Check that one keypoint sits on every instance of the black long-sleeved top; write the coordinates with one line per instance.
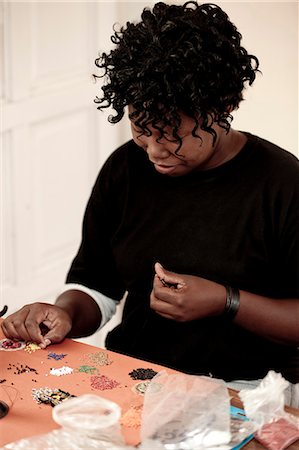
(236, 224)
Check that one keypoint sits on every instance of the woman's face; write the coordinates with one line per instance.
(194, 154)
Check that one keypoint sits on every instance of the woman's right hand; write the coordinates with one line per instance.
(41, 323)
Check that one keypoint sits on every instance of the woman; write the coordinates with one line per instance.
(196, 221)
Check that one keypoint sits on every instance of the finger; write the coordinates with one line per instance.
(159, 282)
(14, 326)
(10, 331)
(159, 270)
(164, 309)
(164, 304)
(17, 331)
(56, 321)
(45, 343)
(56, 334)
(159, 293)
(32, 324)
(58, 324)
(169, 278)
(169, 295)
(166, 316)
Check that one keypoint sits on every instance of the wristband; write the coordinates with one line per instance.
(232, 302)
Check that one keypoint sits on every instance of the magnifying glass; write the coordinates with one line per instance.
(4, 408)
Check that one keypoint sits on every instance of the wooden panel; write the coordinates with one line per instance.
(6, 213)
(61, 35)
(62, 156)
(17, 49)
(1, 50)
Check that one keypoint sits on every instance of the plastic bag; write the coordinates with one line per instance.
(185, 412)
(87, 421)
(240, 427)
(276, 429)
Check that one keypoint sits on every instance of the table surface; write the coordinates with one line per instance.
(27, 418)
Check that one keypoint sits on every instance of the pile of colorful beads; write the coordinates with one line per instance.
(142, 374)
(99, 358)
(50, 396)
(65, 370)
(56, 356)
(31, 347)
(102, 382)
(132, 417)
(11, 344)
(87, 369)
(19, 368)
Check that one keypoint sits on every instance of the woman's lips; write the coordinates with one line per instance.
(164, 169)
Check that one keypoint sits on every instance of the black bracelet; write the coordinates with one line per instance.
(232, 302)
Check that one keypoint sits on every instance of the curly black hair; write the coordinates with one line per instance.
(178, 58)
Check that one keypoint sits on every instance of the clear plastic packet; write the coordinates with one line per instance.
(275, 428)
(241, 428)
(87, 422)
(185, 412)
(278, 435)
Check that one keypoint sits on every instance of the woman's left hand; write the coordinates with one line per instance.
(185, 297)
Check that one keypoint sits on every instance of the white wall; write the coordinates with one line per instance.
(53, 140)
(270, 31)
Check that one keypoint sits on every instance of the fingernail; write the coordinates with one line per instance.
(47, 342)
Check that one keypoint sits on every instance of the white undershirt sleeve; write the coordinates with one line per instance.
(106, 304)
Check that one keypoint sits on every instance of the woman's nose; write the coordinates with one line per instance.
(156, 150)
